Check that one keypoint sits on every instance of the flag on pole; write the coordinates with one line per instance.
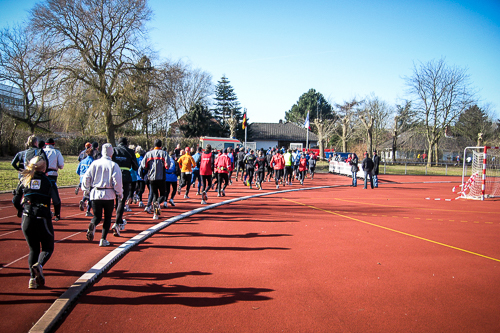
(306, 124)
(244, 125)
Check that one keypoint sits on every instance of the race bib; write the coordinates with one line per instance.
(35, 184)
(187, 172)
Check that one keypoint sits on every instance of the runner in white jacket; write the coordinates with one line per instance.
(104, 177)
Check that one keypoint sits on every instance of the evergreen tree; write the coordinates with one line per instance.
(473, 121)
(227, 105)
(199, 122)
(315, 103)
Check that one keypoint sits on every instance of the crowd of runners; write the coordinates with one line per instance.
(115, 178)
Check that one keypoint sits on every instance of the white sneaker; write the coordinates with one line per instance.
(171, 202)
(116, 230)
(103, 243)
(89, 214)
(203, 202)
(148, 210)
(277, 186)
(40, 279)
(223, 193)
(155, 217)
(127, 208)
(141, 204)
(186, 197)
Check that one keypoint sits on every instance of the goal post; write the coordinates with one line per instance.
(482, 167)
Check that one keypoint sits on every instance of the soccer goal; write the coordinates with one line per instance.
(482, 167)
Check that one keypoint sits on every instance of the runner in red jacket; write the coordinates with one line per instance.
(278, 164)
(206, 170)
(222, 165)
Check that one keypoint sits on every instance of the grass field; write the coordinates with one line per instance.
(68, 176)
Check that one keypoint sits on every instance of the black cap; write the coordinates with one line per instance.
(95, 145)
(157, 143)
(123, 141)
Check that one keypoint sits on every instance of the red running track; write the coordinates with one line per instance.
(339, 259)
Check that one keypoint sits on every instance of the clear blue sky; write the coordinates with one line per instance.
(274, 51)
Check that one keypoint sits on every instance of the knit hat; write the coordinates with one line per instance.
(123, 141)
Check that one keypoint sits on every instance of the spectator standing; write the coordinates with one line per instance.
(353, 162)
(376, 164)
(367, 165)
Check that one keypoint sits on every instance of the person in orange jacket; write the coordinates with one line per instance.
(186, 164)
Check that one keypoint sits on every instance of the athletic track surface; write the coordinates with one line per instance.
(325, 258)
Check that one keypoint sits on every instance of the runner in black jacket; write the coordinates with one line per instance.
(126, 160)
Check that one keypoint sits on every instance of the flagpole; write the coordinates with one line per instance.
(307, 139)
(246, 129)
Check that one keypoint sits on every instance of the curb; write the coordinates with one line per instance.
(61, 306)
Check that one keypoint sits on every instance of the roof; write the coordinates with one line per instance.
(280, 131)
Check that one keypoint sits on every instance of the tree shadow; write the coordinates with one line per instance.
(158, 294)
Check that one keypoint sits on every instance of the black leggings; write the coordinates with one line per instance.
(157, 186)
(121, 203)
(260, 176)
(140, 188)
(250, 172)
(169, 185)
(207, 183)
(98, 206)
(222, 177)
(38, 230)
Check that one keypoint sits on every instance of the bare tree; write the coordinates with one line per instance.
(346, 116)
(373, 116)
(99, 44)
(403, 120)
(23, 66)
(441, 94)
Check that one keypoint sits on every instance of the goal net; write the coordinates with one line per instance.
(481, 168)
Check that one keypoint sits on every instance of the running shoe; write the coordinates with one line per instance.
(57, 218)
(40, 279)
(156, 209)
(81, 204)
(223, 193)
(204, 196)
(171, 202)
(33, 284)
(76, 190)
(91, 232)
(155, 217)
(136, 198)
(122, 226)
(277, 186)
(103, 243)
(141, 204)
(89, 214)
(218, 194)
(165, 205)
(179, 191)
(185, 196)
(116, 230)
(203, 202)
(148, 210)
(127, 208)
(198, 193)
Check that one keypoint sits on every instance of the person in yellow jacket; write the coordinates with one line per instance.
(186, 164)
